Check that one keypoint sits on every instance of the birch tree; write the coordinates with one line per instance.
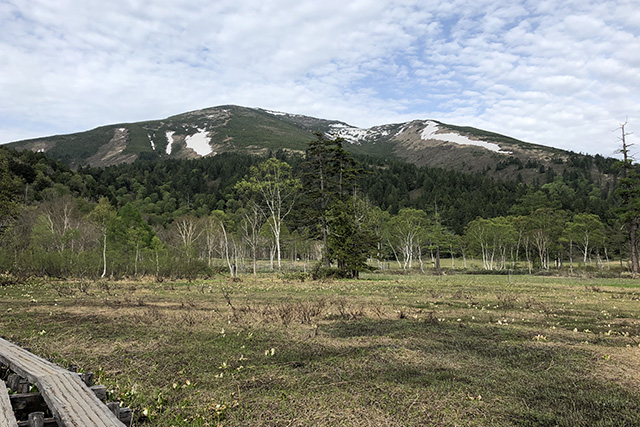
(493, 237)
(62, 220)
(277, 190)
(545, 228)
(379, 219)
(479, 235)
(405, 231)
(188, 231)
(103, 214)
(250, 225)
(219, 223)
(587, 231)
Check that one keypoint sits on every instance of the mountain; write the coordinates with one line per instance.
(231, 128)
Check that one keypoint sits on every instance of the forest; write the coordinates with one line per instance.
(326, 212)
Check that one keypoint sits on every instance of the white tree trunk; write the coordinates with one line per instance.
(104, 255)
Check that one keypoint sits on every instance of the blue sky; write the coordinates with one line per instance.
(558, 73)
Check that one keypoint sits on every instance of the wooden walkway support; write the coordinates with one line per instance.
(6, 410)
(71, 402)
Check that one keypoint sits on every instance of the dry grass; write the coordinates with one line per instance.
(413, 350)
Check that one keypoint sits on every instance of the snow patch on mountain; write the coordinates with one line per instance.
(430, 132)
(199, 142)
(356, 135)
(276, 113)
(170, 140)
(349, 133)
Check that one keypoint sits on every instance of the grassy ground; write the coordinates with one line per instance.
(384, 350)
(611, 268)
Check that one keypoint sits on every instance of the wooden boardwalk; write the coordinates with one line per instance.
(71, 402)
(6, 412)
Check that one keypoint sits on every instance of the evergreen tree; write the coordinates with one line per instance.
(329, 173)
(10, 186)
(439, 236)
(352, 239)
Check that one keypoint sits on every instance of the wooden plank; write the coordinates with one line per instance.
(30, 402)
(7, 418)
(72, 403)
(48, 422)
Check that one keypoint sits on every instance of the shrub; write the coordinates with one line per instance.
(299, 276)
(7, 280)
(320, 271)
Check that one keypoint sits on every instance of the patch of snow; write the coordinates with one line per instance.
(400, 131)
(41, 150)
(276, 113)
(430, 132)
(199, 142)
(170, 139)
(122, 129)
(351, 133)
(153, 146)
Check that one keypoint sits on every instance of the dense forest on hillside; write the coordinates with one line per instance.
(183, 218)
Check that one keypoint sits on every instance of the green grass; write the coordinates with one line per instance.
(73, 149)
(252, 128)
(138, 140)
(384, 350)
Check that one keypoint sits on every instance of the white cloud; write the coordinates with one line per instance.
(557, 73)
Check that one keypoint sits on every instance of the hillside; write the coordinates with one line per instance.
(222, 129)
(165, 189)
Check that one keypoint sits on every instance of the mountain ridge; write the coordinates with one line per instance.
(226, 128)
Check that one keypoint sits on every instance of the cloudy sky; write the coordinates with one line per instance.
(559, 73)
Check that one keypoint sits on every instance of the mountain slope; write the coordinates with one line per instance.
(239, 129)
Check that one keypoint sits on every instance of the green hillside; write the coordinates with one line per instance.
(255, 131)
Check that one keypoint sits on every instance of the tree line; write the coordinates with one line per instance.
(325, 211)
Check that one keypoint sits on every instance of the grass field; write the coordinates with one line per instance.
(383, 350)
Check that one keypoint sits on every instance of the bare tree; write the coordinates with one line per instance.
(629, 192)
(188, 231)
(252, 221)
